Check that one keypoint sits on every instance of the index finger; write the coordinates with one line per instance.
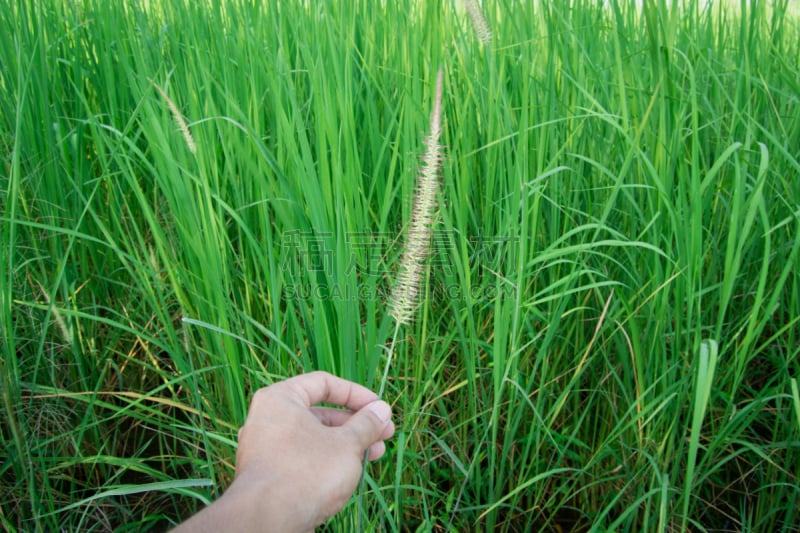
(321, 387)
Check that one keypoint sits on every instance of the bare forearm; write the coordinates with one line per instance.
(246, 511)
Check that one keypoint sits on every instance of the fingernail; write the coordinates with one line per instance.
(381, 410)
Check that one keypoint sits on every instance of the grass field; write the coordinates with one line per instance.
(609, 333)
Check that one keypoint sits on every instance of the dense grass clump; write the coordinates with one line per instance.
(608, 337)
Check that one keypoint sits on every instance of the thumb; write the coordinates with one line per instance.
(368, 425)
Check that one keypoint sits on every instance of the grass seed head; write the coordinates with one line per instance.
(478, 21)
(412, 264)
(187, 135)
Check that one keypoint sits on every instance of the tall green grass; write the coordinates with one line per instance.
(609, 334)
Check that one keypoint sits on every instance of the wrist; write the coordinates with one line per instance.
(249, 506)
(266, 506)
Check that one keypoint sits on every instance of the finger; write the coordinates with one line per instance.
(368, 425)
(321, 387)
(378, 448)
(388, 431)
(376, 451)
(332, 417)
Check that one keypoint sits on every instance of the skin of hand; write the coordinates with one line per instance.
(298, 463)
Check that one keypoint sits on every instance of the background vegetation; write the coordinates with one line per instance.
(609, 336)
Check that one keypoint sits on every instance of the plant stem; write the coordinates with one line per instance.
(381, 389)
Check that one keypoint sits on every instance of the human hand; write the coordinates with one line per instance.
(298, 463)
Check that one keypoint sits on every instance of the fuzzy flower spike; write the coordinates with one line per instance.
(478, 20)
(176, 114)
(405, 294)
